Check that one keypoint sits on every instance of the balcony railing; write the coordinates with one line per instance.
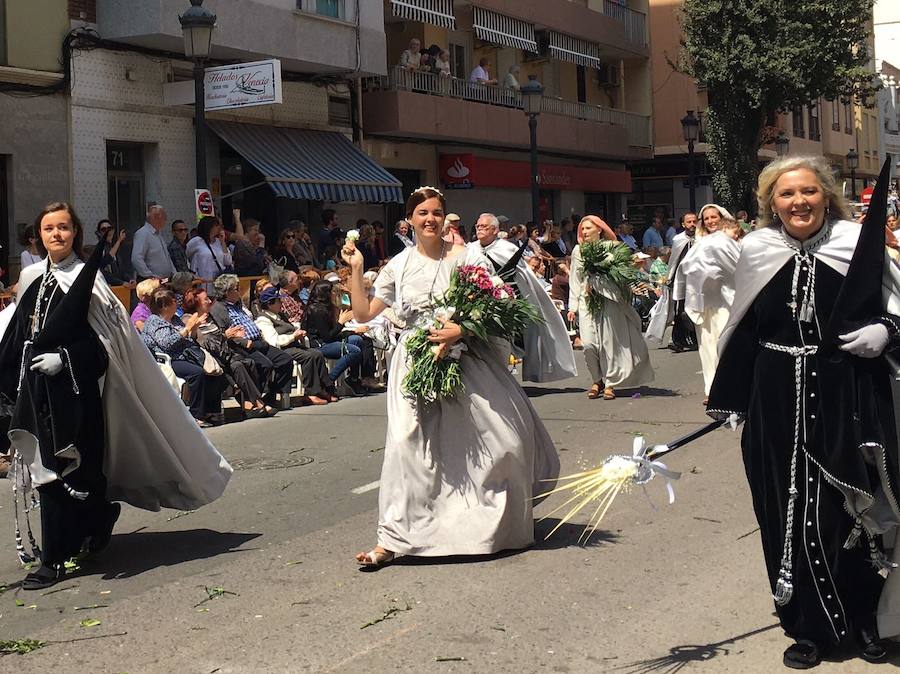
(401, 79)
(635, 21)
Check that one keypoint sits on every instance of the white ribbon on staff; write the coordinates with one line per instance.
(648, 469)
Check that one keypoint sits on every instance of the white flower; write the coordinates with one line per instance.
(476, 314)
(444, 314)
(504, 295)
(353, 235)
(496, 281)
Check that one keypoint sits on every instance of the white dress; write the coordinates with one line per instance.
(207, 260)
(458, 475)
(614, 347)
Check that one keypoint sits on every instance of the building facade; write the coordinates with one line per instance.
(472, 138)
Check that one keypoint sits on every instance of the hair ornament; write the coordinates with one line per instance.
(428, 187)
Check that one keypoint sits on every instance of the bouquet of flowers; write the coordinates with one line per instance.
(485, 306)
(612, 261)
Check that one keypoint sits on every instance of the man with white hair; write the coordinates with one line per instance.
(548, 351)
(149, 253)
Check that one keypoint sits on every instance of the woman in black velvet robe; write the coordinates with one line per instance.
(51, 362)
(819, 440)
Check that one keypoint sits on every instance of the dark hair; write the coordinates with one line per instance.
(421, 195)
(29, 231)
(175, 222)
(191, 300)
(159, 299)
(55, 207)
(104, 220)
(327, 216)
(361, 222)
(205, 226)
(322, 293)
(281, 238)
(377, 223)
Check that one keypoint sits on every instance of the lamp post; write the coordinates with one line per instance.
(782, 143)
(197, 26)
(532, 95)
(852, 164)
(690, 127)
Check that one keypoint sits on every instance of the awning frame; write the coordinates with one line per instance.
(504, 30)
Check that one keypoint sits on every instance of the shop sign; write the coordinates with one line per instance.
(457, 170)
(466, 170)
(243, 85)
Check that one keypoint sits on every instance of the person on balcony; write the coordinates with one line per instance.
(442, 64)
(480, 73)
(411, 58)
(511, 81)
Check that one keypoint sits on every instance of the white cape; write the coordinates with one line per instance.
(548, 351)
(155, 456)
(705, 277)
(663, 312)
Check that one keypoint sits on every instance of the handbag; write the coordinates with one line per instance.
(197, 355)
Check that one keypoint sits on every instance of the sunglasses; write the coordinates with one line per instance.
(180, 231)
(289, 236)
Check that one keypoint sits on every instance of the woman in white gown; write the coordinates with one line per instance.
(459, 474)
(705, 282)
(614, 347)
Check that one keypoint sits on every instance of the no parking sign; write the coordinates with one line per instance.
(204, 202)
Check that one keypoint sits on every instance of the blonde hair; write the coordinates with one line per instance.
(727, 219)
(836, 204)
(145, 288)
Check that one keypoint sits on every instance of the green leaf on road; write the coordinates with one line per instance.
(87, 608)
(293, 563)
(387, 615)
(215, 593)
(89, 622)
(455, 658)
(19, 602)
(20, 646)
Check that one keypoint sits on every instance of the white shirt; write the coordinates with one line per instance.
(28, 258)
(207, 261)
(479, 74)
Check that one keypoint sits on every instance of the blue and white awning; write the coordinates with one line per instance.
(317, 165)
(575, 50)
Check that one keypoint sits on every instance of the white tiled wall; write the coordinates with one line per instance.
(107, 106)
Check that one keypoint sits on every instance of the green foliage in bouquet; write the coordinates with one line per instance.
(485, 307)
(612, 261)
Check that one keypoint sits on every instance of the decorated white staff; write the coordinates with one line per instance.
(620, 472)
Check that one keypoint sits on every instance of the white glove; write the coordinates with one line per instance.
(50, 364)
(869, 341)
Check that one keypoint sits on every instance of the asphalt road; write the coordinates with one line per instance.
(659, 589)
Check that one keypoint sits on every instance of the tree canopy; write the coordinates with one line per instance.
(758, 57)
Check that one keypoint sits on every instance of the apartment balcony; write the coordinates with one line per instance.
(257, 29)
(409, 104)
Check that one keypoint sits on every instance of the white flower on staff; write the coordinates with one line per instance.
(496, 281)
(444, 314)
(353, 235)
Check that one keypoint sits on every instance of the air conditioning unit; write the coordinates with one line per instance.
(608, 75)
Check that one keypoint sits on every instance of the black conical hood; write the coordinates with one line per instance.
(69, 318)
(860, 295)
(508, 271)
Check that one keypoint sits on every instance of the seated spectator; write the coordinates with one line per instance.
(283, 253)
(261, 285)
(625, 232)
(228, 311)
(179, 284)
(402, 238)
(366, 245)
(324, 325)
(659, 270)
(559, 284)
(333, 258)
(143, 290)
(238, 368)
(279, 332)
(161, 336)
(452, 232)
(538, 266)
(480, 75)
(553, 244)
(303, 249)
(411, 58)
(29, 239)
(307, 280)
(511, 81)
(653, 235)
(249, 254)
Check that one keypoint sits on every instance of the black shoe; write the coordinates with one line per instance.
(802, 655)
(40, 579)
(869, 644)
(675, 348)
(356, 386)
(100, 540)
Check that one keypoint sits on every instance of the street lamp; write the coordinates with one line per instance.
(852, 164)
(197, 26)
(690, 127)
(782, 143)
(532, 97)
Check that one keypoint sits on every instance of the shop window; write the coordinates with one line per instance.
(336, 9)
(125, 180)
(848, 118)
(815, 132)
(835, 116)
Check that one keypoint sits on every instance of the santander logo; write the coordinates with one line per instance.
(458, 171)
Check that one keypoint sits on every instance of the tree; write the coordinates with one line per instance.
(760, 57)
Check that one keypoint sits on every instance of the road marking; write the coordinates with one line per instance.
(366, 487)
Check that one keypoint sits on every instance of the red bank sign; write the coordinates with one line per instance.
(467, 171)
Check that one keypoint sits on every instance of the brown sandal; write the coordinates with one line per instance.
(594, 392)
(609, 394)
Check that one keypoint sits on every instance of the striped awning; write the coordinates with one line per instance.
(567, 48)
(318, 165)
(504, 30)
(435, 12)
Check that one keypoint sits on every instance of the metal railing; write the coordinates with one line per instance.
(401, 79)
(635, 22)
